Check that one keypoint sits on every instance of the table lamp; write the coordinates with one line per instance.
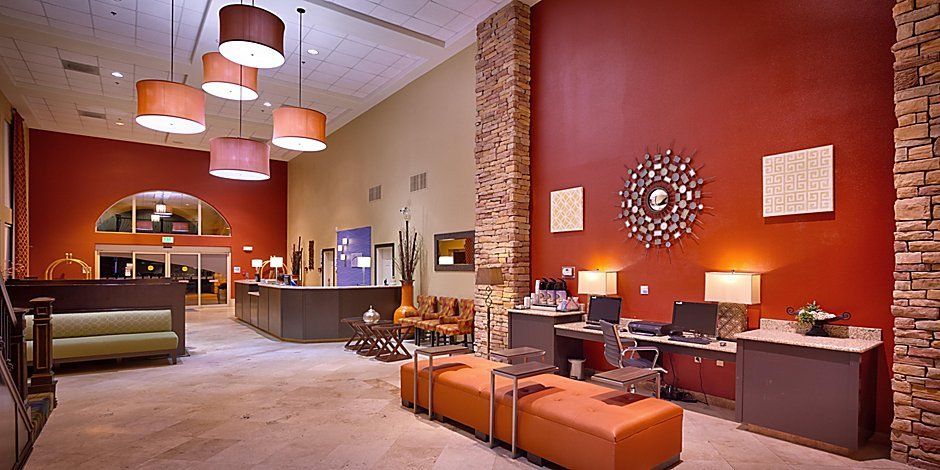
(734, 292)
(364, 262)
(489, 277)
(600, 283)
(257, 263)
(276, 262)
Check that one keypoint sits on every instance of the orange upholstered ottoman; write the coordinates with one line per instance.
(571, 423)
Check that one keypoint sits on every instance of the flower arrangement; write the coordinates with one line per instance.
(811, 313)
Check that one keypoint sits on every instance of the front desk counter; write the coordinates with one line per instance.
(310, 313)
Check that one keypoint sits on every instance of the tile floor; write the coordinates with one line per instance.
(245, 401)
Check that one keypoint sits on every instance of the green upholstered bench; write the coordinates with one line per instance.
(107, 335)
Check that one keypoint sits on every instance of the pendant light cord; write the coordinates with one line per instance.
(300, 59)
(172, 33)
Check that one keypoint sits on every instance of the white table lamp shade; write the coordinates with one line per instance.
(597, 282)
(732, 288)
(442, 260)
(277, 262)
(257, 263)
(363, 262)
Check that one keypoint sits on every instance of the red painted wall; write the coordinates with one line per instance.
(733, 81)
(73, 179)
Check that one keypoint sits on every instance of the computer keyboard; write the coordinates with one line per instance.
(688, 339)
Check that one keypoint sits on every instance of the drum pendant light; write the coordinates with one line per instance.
(238, 158)
(228, 80)
(167, 106)
(296, 127)
(251, 36)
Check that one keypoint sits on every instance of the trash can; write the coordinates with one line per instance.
(577, 369)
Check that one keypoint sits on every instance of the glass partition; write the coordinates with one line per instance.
(115, 265)
(118, 217)
(150, 265)
(214, 279)
(163, 212)
(184, 268)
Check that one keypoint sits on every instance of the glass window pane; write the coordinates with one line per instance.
(115, 266)
(215, 279)
(150, 265)
(167, 212)
(213, 223)
(117, 218)
(185, 269)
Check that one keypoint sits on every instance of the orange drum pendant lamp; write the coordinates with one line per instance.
(251, 36)
(238, 158)
(227, 80)
(296, 127)
(167, 106)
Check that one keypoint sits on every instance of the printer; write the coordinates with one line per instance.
(652, 328)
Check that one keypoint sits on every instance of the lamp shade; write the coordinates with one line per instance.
(276, 262)
(228, 80)
(171, 107)
(597, 282)
(162, 210)
(445, 260)
(299, 129)
(489, 276)
(155, 217)
(363, 262)
(251, 36)
(257, 263)
(239, 159)
(732, 288)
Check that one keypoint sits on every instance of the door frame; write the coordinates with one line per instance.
(323, 261)
(375, 257)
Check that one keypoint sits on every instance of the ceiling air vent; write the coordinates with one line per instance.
(80, 67)
(91, 114)
(419, 182)
(375, 193)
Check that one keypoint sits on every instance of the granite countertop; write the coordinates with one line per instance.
(543, 312)
(852, 345)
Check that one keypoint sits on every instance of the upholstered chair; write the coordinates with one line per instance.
(427, 310)
(447, 306)
(458, 325)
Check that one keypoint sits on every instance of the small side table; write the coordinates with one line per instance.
(431, 353)
(525, 352)
(391, 337)
(371, 339)
(627, 376)
(516, 372)
(356, 339)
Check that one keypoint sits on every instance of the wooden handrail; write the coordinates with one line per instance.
(43, 379)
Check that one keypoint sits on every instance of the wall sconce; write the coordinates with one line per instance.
(248, 248)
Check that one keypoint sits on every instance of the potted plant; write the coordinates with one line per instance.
(814, 317)
(407, 264)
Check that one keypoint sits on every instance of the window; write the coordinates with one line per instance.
(163, 212)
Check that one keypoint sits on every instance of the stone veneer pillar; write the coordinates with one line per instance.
(915, 431)
(502, 164)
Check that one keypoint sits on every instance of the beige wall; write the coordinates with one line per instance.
(428, 126)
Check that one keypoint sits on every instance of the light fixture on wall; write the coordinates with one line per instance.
(227, 80)
(295, 127)
(161, 210)
(239, 158)
(167, 106)
(251, 36)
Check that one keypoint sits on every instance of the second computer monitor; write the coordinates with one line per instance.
(696, 317)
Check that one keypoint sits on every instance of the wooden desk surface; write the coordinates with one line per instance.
(712, 350)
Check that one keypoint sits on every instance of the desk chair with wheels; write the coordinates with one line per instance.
(621, 356)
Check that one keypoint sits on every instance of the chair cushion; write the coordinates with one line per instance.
(105, 345)
(447, 306)
(428, 324)
(465, 308)
(427, 305)
(410, 320)
(73, 325)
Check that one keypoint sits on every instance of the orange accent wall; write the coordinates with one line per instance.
(732, 81)
(73, 179)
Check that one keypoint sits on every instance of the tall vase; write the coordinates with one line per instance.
(407, 307)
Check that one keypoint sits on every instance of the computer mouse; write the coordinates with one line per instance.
(722, 343)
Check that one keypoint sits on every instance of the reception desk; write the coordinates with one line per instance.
(310, 313)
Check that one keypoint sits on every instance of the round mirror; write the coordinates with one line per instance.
(658, 199)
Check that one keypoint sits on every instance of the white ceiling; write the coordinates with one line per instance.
(368, 49)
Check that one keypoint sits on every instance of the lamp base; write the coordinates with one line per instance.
(732, 319)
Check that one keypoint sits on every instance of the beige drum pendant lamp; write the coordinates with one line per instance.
(251, 36)
(239, 159)
(228, 80)
(296, 127)
(167, 106)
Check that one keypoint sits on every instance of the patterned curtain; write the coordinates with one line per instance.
(20, 199)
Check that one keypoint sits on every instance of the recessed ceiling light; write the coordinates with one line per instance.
(117, 74)
(312, 51)
(267, 103)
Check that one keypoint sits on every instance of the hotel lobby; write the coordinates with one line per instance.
(585, 234)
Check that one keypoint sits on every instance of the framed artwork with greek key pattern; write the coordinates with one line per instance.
(798, 182)
(567, 210)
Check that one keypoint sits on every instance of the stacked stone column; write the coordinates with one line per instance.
(502, 164)
(915, 431)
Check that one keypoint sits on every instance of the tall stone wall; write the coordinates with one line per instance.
(915, 431)
(503, 74)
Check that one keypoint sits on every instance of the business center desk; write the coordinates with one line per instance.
(310, 313)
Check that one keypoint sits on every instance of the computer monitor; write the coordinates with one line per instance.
(604, 308)
(696, 316)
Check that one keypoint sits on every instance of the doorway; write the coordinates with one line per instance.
(384, 264)
(204, 270)
(328, 267)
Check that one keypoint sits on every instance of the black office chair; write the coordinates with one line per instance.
(620, 356)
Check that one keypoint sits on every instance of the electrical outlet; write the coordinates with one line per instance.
(720, 363)
(698, 360)
(644, 290)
